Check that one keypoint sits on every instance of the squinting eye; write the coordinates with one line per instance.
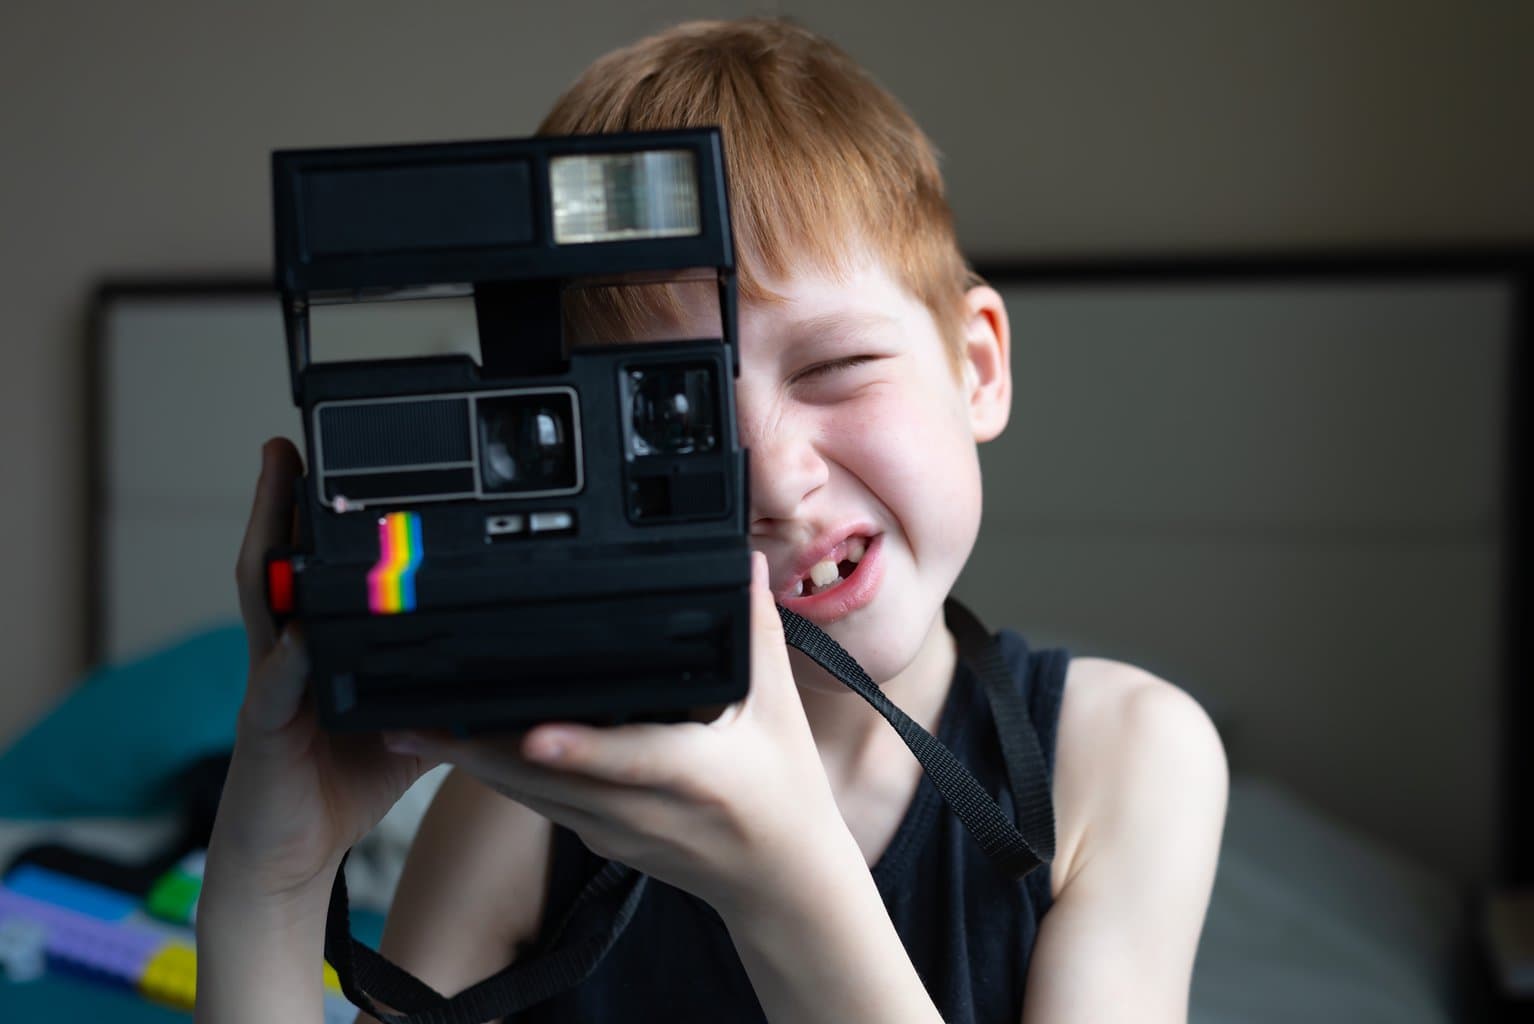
(822, 369)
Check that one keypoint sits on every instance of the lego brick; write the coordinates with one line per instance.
(23, 949)
(170, 977)
(109, 952)
(71, 893)
(173, 897)
(338, 1010)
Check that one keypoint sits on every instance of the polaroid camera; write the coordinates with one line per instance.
(558, 531)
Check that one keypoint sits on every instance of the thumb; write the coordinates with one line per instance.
(771, 673)
(276, 685)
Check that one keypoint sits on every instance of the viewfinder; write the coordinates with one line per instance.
(671, 410)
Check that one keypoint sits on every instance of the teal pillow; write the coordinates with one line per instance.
(114, 746)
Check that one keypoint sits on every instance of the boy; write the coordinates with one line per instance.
(808, 874)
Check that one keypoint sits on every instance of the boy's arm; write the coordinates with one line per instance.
(1140, 789)
(829, 952)
(472, 889)
(258, 958)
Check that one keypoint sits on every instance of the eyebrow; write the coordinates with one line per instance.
(858, 323)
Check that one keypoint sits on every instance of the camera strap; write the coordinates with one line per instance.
(607, 903)
(1014, 849)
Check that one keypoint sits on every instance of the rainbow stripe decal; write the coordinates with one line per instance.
(391, 583)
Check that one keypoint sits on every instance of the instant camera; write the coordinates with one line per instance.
(554, 531)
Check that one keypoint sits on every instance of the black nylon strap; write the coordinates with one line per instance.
(605, 906)
(589, 929)
(1012, 851)
(1034, 808)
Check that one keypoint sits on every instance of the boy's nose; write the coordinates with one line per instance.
(785, 470)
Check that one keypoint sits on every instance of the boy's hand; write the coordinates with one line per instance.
(734, 811)
(296, 797)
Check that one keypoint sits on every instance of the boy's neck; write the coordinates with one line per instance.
(848, 731)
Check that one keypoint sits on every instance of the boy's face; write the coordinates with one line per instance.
(862, 435)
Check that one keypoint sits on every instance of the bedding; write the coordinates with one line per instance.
(113, 746)
(81, 776)
(1309, 920)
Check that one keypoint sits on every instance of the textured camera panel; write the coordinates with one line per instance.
(374, 435)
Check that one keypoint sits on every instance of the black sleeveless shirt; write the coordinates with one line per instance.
(968, 929)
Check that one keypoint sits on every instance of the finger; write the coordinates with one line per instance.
(592, 829)
(499, 762)
(431, 749)
(275, 689)
(644, 756)
(269, 526)
(375, 760)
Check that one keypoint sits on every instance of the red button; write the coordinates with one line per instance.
(279, 585)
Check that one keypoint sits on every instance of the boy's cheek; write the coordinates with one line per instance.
(909, 447)
(919, 439)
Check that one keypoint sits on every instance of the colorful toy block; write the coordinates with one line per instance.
(81, 929)
(171, 976)
(114, 953)
(173, 897)
(70, 893)
(23, 949)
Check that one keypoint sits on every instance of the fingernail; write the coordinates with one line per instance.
(402, 742)
(292, 652)
(546, 746)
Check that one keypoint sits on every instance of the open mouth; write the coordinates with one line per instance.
(833, 570)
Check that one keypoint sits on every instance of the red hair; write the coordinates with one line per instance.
(824, 164)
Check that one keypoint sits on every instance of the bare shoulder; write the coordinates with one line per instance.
(1135, 757)
(1139, 789)
(473, 886)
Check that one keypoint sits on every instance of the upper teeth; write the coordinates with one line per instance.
(824, 572)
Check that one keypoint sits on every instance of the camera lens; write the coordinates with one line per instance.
(672, 410)
(527, 443)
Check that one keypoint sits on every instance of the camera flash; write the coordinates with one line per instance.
(609, 197)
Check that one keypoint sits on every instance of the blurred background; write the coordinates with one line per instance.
(1263, 261)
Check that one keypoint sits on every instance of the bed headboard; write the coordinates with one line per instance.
(189, 379)
(1290, 485)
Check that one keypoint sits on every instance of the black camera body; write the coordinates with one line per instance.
(559, 530)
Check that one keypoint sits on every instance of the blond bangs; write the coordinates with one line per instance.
(823, 162)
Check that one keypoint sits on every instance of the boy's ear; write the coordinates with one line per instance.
(986, 362)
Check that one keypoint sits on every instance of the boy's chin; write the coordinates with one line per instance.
(882, 658)
(811, 678)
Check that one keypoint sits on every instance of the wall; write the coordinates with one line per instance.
(1286, 497)
(136, 139)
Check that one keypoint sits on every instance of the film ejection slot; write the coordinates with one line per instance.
(499, 528)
